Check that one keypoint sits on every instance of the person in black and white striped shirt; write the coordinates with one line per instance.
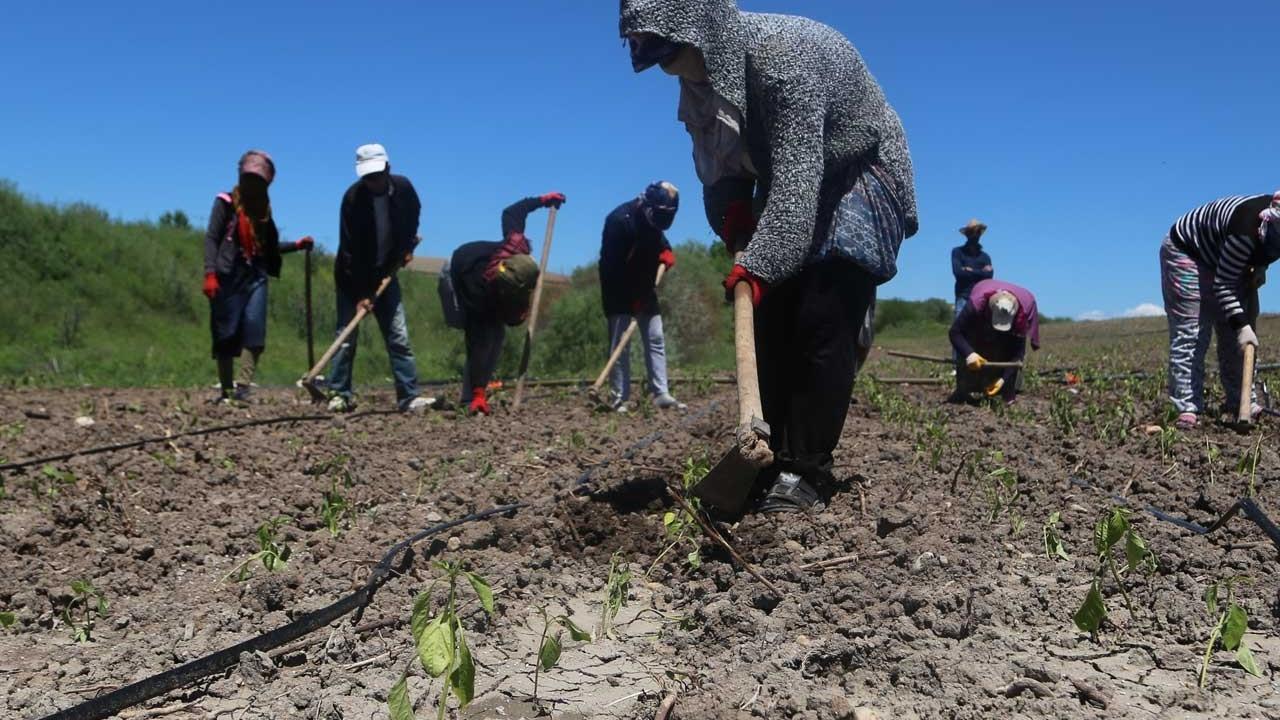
(1222, 249)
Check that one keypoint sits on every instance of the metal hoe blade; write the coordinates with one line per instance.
(729, 484)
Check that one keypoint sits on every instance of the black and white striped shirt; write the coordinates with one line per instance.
(1223, 236)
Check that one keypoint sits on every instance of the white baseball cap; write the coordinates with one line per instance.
(1004, 306)
(371, 158)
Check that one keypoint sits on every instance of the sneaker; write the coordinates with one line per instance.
(243, 392)
(665, 401)
(620, 406)
(419, 404)
(341, 404)
(1187, 420)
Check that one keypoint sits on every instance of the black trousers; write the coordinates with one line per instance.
(807, 350)
(484, 337)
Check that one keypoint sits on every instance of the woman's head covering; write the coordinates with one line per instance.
(258, 162)
(659, 204)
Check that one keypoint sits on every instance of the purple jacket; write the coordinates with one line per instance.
(1026, 323)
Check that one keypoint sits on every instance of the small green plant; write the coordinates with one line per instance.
(273, 552)
(1001, 487)
(550, 646)
(1111, 530)
(335, 511)
(441, 644)
(1053, 545)
(7, 619)
(1063, 411)
(1213, 454)
(167, 459)
(577, 440)
(53, 480)
(1228, 631)
(616, 590)
(679, 527)
(13, 430)
(88, 605)
(429, 480)
(932, 441)
(1248, 464)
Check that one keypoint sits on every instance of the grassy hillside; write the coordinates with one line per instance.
(89, 300)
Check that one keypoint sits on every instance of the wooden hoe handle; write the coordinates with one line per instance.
(342, 336)
(1246, 386)
(744, 342)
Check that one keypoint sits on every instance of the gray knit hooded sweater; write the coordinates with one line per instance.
(815, 118)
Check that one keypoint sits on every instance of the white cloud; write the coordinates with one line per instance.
(1145, 310)
(1092, 315)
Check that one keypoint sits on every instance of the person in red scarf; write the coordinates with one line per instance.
(241, 249)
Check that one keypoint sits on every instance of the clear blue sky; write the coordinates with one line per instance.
(1078, 131)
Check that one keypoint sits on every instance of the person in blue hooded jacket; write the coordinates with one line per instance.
(633, 246)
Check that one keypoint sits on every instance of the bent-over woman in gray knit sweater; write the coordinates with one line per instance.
(804, 162)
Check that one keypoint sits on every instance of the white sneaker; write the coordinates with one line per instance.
(340, 404)
(666, 401)
(419, 404)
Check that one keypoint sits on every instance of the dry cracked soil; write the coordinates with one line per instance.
(922, 591)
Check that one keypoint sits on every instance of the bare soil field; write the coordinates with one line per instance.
(924, 590)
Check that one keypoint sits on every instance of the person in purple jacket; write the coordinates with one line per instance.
(996, 324)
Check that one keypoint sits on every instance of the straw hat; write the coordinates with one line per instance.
(974, 228)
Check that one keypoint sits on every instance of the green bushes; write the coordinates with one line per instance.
(93, 301)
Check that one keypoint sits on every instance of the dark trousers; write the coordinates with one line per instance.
(807, 348)
(484, 338)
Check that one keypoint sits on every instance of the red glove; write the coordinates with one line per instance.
(210, 285)
(305, 243)
(552, 199)
(739, 225)
(637, 307)
(668, 258)
(479, 405)
(740, 274)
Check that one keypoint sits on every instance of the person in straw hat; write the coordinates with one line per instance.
(970, 263)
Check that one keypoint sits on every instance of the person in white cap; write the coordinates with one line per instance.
(997, 322)
(378, 233)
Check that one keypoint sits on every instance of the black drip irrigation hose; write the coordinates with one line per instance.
(20, 464)
(1245, 505)
(105, 706)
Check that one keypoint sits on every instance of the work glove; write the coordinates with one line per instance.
(975, 362)
(739, 225)
(1246, 336)
(740, 274)
(305, 243)
(994, 388)
(210, 285)
(668, 258)
(637, 307)
(552, 199)
(479, 404)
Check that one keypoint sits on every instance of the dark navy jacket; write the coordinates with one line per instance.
(966, 279)
(357, 268)
(629, 261)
